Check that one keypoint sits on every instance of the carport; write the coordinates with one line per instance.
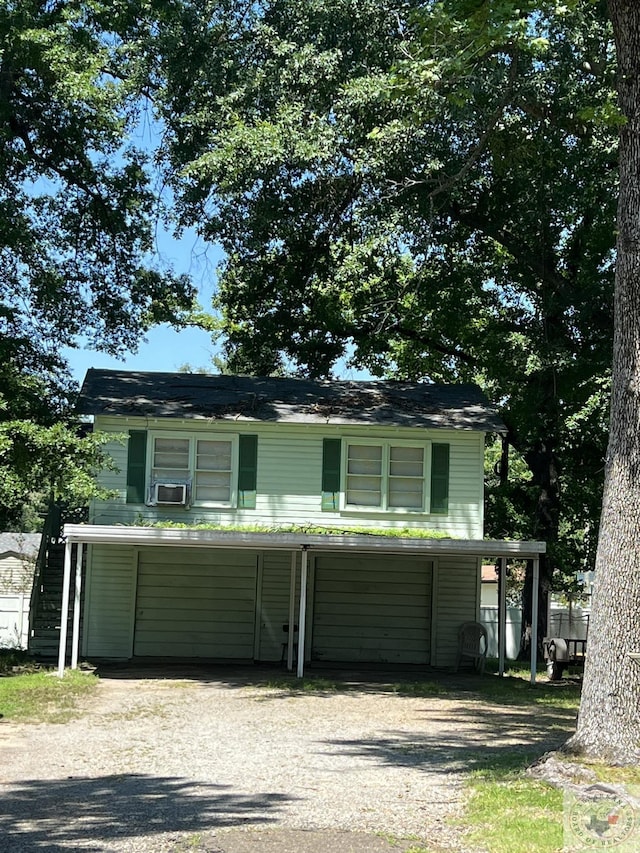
(300, 545)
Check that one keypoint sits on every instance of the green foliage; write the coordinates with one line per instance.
(427, 191)
(42, 463)
(78, 213)
(307, 529)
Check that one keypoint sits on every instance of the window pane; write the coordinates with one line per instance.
(364, 459)
(405, 492)
(363, 490)
(213, 456)
(356, 497)
(406, 461)
(172, 453)
(213, 487)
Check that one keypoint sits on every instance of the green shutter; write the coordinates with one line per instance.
(439, 479)
(136, 466)
(331, 458)
(247, 471)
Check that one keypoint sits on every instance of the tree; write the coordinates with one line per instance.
(426, 189)
(77, 219)
(609, 717)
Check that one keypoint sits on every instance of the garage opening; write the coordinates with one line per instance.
(372, 609)
(196, 603)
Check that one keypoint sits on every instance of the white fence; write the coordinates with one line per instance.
(489, 618)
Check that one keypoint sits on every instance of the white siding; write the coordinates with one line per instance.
(372, 609)
(289, 478)
(196, 603)
(108, 621)
(455, 602)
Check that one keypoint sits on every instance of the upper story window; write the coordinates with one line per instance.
(206, 464)
(385, 476)
(216, 470)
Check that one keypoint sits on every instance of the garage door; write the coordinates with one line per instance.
(372, 609)
(195, 603)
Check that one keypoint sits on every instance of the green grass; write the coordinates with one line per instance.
(42, 697)
(514, 688)
(506, 811)
(303, 686)
(513, 814)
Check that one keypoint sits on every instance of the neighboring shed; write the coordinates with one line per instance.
(18, 552)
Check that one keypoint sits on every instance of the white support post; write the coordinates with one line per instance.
(304, 569)
(534, 618)
(292, 610)
(64, 610)
(75, 642)
(502, 616)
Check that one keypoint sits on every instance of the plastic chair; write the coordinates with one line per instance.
(472, 644)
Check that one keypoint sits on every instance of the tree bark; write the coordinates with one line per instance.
(609, 717)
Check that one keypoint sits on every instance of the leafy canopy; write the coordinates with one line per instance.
(78, 213)
(424, 189)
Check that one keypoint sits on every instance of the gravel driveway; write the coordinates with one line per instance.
(222, 761)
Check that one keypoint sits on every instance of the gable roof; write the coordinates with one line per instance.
(244, 398)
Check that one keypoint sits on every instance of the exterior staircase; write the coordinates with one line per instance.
(45, 609)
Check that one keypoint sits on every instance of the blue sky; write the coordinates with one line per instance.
(166, 349)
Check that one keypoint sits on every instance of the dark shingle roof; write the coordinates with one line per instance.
(189, 395)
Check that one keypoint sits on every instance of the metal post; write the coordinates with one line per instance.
(534, 618)
(303, 610)
(64, 614)
(502, 615)
(292, 610)
(75, 642)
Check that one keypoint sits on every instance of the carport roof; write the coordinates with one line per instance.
(171, 536)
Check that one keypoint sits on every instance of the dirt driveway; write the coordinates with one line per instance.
(234, 761)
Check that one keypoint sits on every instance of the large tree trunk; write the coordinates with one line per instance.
(608, 722)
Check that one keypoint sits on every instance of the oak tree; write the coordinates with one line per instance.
(425, 190)
(78, 212)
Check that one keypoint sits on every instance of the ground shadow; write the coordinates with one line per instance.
(466, 738)
(65, 814)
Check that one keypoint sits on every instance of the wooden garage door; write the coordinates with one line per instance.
(195, 603)
(372, 609)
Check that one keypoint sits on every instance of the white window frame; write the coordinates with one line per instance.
(386, 444)
(190, 475)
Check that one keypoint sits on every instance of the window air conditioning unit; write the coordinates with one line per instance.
(169, 494)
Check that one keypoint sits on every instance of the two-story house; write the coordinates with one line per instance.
(351, 511)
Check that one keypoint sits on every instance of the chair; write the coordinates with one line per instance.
(472, 644)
